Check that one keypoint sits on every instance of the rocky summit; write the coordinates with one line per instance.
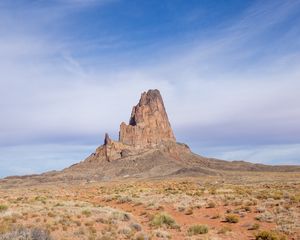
(149, 124)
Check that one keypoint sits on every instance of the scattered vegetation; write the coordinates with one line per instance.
(3, 208)
(211, 205)
(254, 226)
(26, 234)
(197, 229)
(231, 218)
(86, 213)
(162, 219)
(268, 235)
(153, 209)
(224, 230)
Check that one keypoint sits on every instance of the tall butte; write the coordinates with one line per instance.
(149, 124)
(148, 128)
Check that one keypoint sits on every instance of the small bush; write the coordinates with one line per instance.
(255, 226)
(198, 229)
(162, 234)
(3, 208)
(137, 227)
(5, 227)
(247, 209)
(232, 218)
(87, 213)
(211, 205)
(189, 211)
(51, 214)
(124, 199)
(122, 216)
(224, 230)
(141, 236)
(268, 235)
(163, 219)
(23, 233)
(216, 216)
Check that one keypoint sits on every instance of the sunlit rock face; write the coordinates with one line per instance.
(148, 129)
(149, 124)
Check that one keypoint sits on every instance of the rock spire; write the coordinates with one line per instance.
(149, 124)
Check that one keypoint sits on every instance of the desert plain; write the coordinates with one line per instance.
(231, 205)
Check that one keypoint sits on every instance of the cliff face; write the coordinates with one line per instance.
(149, 124)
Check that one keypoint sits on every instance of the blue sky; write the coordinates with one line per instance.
(72, 69)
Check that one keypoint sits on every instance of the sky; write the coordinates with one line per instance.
(71, 70)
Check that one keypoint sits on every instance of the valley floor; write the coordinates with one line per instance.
(234, 205)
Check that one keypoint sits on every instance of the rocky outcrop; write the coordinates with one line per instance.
(149, 128)
(149, 124)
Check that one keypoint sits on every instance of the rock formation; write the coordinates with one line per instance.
(148, 128)
(149, 124)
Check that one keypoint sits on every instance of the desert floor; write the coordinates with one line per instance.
(234, 205)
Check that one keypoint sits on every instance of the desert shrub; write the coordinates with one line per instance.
(137, 227)
(3, 208)
(213, 191)
(255, 226)
(26, 234)
(162, 234)
(189, 211)
(41, 199)
(198, 229)
(224, 230)
(51, 214)
(216, 216)
(231, 218)
(263, 194)
(124, 199)
(78, 223)
(161, 219)
(5, 227)
(87, 213)
(211, 205)
(247, 208)
(268, 235)
(141, 236)
(295, 198)
(277, 195)
(122, 216)
(125, 231)
(265, 217)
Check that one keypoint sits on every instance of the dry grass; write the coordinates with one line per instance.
(188, 208)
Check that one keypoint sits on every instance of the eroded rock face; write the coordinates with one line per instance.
(149, 128)
(149, 124)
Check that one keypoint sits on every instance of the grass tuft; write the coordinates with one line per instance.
(163, 219)
(198, 229)
(231, 218)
